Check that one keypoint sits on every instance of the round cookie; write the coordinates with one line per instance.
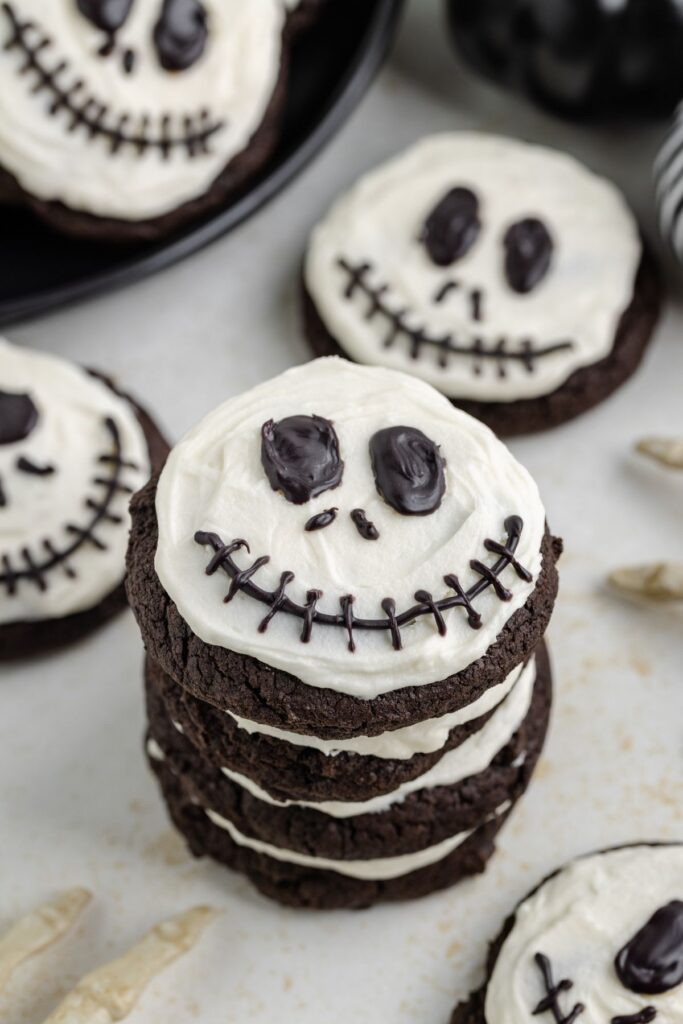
(72, 451)
(307, 768)
(341, 648)
(506, 275)
(600, 940)
(124, 121)
(411, 819)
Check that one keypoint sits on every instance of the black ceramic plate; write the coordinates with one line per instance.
(333, 63)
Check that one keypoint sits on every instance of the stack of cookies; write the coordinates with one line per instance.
(343, 584)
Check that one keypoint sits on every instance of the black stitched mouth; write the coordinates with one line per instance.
(82, 109)
(278, 601)
(446, 345)
(33, 567)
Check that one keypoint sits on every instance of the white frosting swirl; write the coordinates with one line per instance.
(580, 919)
(468, 759)
(401, 744)
(233, 81)
(70, 436)
(589, 284)
(214, 481)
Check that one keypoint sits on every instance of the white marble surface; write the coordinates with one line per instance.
(77, 805)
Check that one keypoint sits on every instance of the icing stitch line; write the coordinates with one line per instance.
(35, 570)
(85, 110)
(446, 345)
(278, 601)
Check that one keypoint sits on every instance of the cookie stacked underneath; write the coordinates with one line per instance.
(343, 584)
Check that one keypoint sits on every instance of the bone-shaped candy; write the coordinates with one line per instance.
(38, 929)
(110, 992)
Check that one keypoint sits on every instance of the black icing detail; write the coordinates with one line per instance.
(82, 110)
(180, 34)
(644, 1016)
(18, 416)
(652, 962)
(107, 15)
(300, 455)
(34, 566)
(528, 254)
(242, 580)
(452, 227)
(25, 465)
(408, 469)
(366, 529)
(402, 323)
(321, 520)
(551, 1002)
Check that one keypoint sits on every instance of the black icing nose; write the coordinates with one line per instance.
(18, 417)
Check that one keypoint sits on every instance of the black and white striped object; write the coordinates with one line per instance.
(668, 175)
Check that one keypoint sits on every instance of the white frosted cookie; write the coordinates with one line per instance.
(128, 110)
(600, 942)
(492, 269)
(387, 536)
(72, 451)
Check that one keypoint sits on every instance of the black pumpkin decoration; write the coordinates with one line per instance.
(580, 58)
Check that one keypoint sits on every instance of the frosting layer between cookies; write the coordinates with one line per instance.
(470, 758)
(401, 744)
(214, 486)
(535, 287)
(65, 485)
(579, 920)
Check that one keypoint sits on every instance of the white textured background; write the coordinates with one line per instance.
(77, 804)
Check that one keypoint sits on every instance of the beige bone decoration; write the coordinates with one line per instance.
(110, 992)
(668, 451)
(662, 581)
(38, 929)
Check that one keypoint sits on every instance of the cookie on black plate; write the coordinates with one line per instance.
(507, 275)
(125, 120)
(72, 451)
(600, 941)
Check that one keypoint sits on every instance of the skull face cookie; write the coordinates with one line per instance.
(127, 117)
(72, 451)
(599, 942)
(506, 275)
(343, 583)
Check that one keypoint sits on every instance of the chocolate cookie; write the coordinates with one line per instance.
(506, 275)
(408, 820)
(601, 937)
(72, 450)
(307, 551)
(293, 769)
(125, 125)
(315, 888)
(357, 666)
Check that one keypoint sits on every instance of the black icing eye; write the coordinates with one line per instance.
(408, 470)
(300, 455)
(528, 252)
(652, 962)
(107, 15)
(452, 227)
(180, 34)
(18, 417)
